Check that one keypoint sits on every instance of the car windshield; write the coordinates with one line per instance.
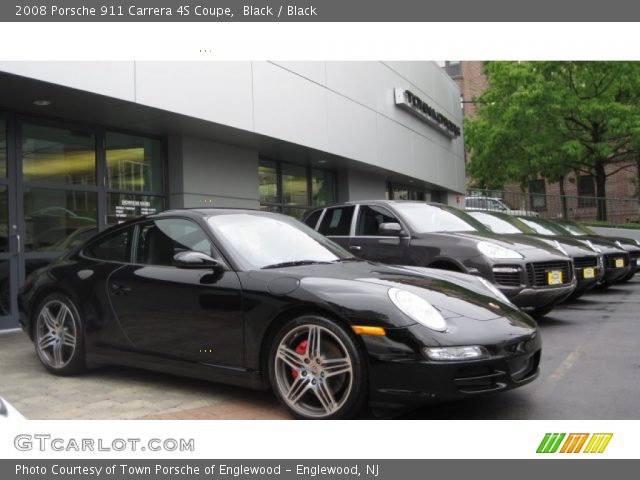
(269, 240)
(425, 218)
(499, 224)
(576, 229)
(544, 227)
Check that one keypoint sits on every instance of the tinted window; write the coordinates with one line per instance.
(160, 240)
(371, 217)
(312, 219)
(114, 248)
(337, 221)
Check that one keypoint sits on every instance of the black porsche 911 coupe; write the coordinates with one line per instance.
(260, 300)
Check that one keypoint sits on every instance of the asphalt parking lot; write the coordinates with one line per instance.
(590, 369)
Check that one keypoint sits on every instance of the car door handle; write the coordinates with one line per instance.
(119, 288)
(355, 248)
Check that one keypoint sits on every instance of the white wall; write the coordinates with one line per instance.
(344, 108)
(212, 175)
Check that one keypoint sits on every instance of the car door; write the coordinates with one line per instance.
(336, 223)
(180, 313)
(370, 244)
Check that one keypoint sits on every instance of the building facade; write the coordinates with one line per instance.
(87, 144)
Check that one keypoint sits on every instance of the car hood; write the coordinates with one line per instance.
(520, 244)
(606, 244)
(573, 246)
(361, 282)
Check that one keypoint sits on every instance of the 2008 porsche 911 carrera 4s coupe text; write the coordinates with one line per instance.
(260, 300)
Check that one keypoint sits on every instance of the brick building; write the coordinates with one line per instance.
(622, 187)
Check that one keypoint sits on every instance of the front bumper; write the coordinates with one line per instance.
(398, 381)
(529, 298)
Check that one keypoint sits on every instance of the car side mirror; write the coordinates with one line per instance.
(194, 260)
(390, 229)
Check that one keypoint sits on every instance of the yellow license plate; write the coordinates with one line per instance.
(554, 277)
(619, 262)
(589, 273)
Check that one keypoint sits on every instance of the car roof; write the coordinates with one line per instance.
(382, 202)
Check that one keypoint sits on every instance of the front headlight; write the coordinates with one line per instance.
(492, 250)
(619, 244)
(417, 309)
(471, 352)
(499, 295)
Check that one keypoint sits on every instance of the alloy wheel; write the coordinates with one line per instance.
(56, 334)
(315, 381)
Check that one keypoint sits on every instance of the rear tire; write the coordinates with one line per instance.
(317, 370)
(58, 335)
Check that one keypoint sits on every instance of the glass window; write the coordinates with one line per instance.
(124, 206)
(337, 221)
(294, 185)
(312, 219)
(5, 288)
(295, 212)
(323, 188)
(4, 220)
(114, 248)
(371, 217)
(495, 224)
(3, 148)
(134, 163)
(586, 191)
(268, 181)
(537, 189)
(160, 240)
(542, 227)
(400, 192)
(261, 241)
(428, 218)
(58, 155)
(293, 189)
(53, 215)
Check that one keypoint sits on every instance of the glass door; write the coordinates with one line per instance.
(10, 242)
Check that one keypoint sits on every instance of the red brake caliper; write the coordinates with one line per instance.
(301, 350)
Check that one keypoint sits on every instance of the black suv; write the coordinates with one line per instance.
(532, 274)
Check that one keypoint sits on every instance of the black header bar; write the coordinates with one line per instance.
(320, 11)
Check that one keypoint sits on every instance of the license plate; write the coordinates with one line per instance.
(619, 262)
(554, 277)
(589, 273)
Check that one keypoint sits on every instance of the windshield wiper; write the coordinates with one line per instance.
(295, 263)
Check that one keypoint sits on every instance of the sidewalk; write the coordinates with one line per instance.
(120, 393)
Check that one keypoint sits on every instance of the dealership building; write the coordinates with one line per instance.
(87, 144)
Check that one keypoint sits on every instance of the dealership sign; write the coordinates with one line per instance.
(410, 102)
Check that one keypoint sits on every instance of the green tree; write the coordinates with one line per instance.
(548, 119)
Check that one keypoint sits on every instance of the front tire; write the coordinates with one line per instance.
(542, 311)
(317, 370)
(58, 335)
